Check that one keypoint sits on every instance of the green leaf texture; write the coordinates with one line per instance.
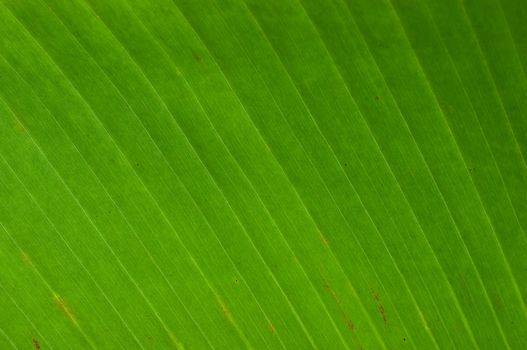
(233, 174)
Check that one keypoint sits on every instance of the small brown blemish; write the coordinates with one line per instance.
(380, 307)
(295, 260)
(499, 302)
(19, 126)
(272, 327)
(64, 308)
(324, 240)
(176, 342)
(383, 313)
(224, 309)
(347, 320)
(197, 57)
(26, 259)
(36, 344)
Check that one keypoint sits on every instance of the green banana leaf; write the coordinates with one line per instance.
(263, 174)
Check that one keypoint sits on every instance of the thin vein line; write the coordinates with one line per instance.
(428, 169)
(343, 169)
(466, 168)
(151, 138)
(338, 71)
(317, 172)
(207, 170)
(97, 180)
(6, 336)
(435, 183)
(449, 212)
(166, 161)
(54, 227)
(503, 109)
(139, 178)
(516, 287)
(311, 162)
(489, 71)
(28, 319)
(515, 47)
(388, 165)
(216, 130)
(267, 146)
(193, 149)
(108, 195)
(41, 277)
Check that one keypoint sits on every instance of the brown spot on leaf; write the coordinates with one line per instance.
(323, 240)
(347, 320)
(383, 314)
(224, 309)
(380, 307)
(36, 344)
(499, 302)
(272, 327)
(26, 259)
(64, 308)
(19, 126)
(196, 56)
